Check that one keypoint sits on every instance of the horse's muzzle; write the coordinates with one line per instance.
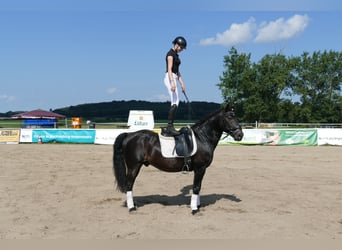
(237, 134)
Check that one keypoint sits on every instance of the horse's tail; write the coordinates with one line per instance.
(119, 165)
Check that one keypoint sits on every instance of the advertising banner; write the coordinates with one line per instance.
(250, 137)
(275, 137)
(306, 137)
(140, 119)
(26, 135)
(309, 137)
(9, 136)
(330, 136)
(64, 135)
(107, 136)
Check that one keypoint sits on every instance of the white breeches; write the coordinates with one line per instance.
(174, 98)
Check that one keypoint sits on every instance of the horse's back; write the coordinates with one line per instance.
(141, 138)
(145, 133)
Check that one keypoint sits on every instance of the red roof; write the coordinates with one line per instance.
(38, 114)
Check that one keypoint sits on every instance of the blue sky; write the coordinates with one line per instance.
(55, 54)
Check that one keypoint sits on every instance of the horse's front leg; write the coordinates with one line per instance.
(129, 201)
(195, 197)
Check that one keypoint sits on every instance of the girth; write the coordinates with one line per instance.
(184, 146)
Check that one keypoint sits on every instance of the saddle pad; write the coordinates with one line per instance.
(167, 146)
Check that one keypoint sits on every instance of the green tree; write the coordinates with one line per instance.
(272, 77)
(235, 82)
(318, 83)
(255, 88)
(280, 89)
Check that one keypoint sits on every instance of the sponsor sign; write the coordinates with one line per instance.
(64, 135)
(329, 137)
(26, 135)
(294, 137)
(308, 137)
(140, 119)
(108, 136)
(9, 136)
(275, 137)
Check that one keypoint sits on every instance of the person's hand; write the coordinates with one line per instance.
(173, 86)
(183, 88)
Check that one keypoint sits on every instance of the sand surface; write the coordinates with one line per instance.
(66, 191)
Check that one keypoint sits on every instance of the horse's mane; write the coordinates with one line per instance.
(206, 118)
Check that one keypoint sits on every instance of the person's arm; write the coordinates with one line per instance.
(180, 79)
(169, 73)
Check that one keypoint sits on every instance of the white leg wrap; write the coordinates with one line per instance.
(198, 200)
(129, 199)
(194, 200)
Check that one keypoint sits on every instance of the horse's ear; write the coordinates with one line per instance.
(229, 107)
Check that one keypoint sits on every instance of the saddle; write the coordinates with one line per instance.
(183, 142)
(182, 145)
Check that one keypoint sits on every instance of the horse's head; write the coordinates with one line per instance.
(231, 124)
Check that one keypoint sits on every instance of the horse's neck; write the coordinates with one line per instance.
(208, 133)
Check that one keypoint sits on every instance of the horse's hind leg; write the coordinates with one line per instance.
(132, 173)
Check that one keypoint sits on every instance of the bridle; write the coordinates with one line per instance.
(231, 130)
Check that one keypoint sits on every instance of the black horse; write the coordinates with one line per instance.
(132, 150)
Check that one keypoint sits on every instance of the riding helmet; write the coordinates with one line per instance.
(180, 41)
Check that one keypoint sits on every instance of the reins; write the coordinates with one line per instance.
(189, 106)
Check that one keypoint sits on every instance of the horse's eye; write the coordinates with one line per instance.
(231, 114)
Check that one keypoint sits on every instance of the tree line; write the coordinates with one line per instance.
(118, 111)
(300, 89)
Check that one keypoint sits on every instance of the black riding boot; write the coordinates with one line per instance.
(170, 130)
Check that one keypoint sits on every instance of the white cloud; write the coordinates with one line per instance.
(7, 98)
(111, 90)
(277, 30)
(282, 29)
(236, 34)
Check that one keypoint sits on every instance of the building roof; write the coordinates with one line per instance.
(38, 114)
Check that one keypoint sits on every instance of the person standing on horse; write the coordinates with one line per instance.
(171, 76)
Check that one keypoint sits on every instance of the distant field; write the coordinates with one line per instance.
(9, 123)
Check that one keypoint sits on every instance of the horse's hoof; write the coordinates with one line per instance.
(193, 212)
(132, 209)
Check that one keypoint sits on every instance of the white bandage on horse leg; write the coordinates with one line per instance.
(198, 200)
(194, 200)
(129, 199)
